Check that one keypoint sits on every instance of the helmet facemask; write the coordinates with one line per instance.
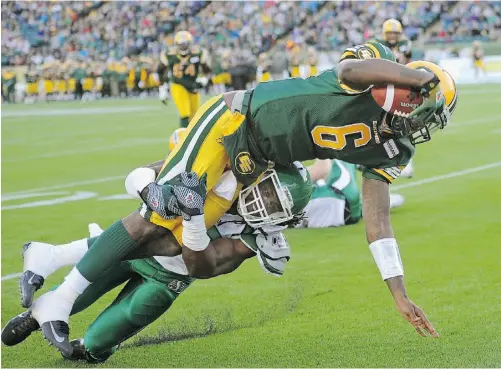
(266, 203)
(418, 130)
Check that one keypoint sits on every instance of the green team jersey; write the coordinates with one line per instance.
(403, 46)
(341, 183)
(321, 118)
(184, 70)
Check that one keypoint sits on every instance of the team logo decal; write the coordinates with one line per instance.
(244, 164)
(177, 286)
(366, 53)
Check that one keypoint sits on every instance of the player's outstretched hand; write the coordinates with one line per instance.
(416, 316)
(190, 192)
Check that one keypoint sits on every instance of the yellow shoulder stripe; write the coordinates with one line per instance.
(347, 54)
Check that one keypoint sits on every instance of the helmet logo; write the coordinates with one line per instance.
(244, 164)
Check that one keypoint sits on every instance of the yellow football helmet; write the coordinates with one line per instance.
(448, 90)
(178, 136)
(183, 40)
(392, 31)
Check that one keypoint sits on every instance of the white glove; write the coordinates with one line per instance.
(163, 92)
(202, 81)
(273, 253)
(138, 179)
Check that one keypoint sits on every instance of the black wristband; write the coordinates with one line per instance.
(430, 85)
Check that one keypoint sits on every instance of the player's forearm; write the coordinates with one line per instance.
(380, 72)
(319, 170)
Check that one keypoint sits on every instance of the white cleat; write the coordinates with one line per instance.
(396, 200)
(408, 171)
(95, 230)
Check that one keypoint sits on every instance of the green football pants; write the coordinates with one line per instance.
(149, 292)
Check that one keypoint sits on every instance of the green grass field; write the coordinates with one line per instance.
(330, 309)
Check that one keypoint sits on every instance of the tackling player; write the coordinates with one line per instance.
(154, 283)
(184, 63)
(332, 115)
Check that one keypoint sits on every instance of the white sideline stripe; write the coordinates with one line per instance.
(66, 185)
(101, 148)
(82, 111)
(414, 184)
(11, 276)
(447, 176)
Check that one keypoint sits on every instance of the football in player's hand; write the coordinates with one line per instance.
(396, 100)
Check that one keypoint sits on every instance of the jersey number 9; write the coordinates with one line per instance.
(334, 138)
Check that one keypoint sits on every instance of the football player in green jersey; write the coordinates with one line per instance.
(329, 116)
(153, 284)
(336, 200)
(184, 64)
(393, 37)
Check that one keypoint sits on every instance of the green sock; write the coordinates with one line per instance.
(184, 122)
(107, 250)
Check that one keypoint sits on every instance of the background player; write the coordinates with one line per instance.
(336, 199)
(184, 64)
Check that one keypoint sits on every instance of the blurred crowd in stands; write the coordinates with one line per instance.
(122, 38)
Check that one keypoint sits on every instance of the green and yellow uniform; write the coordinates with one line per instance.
(31, 83)
(283, 121)
(402, 49)
(184, 71)
(9, 85)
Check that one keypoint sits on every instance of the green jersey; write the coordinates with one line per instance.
(402, 47)
(184, 70)
(321, 118)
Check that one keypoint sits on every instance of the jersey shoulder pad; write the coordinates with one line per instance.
(369, 50)
(398, 154)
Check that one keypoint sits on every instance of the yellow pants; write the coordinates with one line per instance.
(222, 79)
(48, 86)
(32, 88)
(201, 152)
(295, 71)
(313, 71)
(186, 102)
(265, 77)
(479, 63)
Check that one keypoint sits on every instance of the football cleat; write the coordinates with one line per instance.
(19, 328)
(408, 171)
(58, 334)
(80, 353)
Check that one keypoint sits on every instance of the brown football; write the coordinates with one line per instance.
(396, 100)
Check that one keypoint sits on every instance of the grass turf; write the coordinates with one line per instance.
(330, 309)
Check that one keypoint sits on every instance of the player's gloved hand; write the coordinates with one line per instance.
(161, 199)
(433, 100)
(190, 193)
(202, 81)
(163, 93)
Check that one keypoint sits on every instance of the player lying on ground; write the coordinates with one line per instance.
(336, 199)
(155, 282)
(331, 116)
